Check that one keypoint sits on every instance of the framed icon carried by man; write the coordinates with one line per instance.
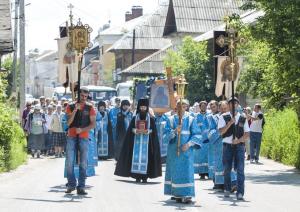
(161, 97)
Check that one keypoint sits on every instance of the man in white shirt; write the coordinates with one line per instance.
(235, 131)
(256, 133)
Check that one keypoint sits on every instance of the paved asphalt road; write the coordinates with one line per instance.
(39, 186)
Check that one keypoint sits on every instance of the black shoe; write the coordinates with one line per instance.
(138, 180)
(81, 191)
(202, 176)
(69, 190)
(187, 200)
(178, 200)
(144, 181)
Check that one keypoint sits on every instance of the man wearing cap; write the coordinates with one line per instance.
(123, 120)
(113, 113)
(201, 155)
(103, 133)
(140, 154)
(179, 177)
(235, 131)
(81, 119)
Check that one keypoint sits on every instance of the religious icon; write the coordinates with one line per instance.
(160, 99)
(229, 70)
(141, 125)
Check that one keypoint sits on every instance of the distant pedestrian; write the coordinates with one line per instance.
(25, 113)
(247, 111)
(36, 128)
(48, 133)
(58, 133)
(256, 129)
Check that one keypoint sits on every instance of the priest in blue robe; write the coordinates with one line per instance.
(161, 122)
(123, 120)
(105, 145)
(113, 113)
(179, 177)
(140, 153)
(201, 155)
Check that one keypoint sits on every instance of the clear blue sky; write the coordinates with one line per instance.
(44, 16)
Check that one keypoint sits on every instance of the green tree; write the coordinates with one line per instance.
(192, 59)
(276, 39)
(7, 77)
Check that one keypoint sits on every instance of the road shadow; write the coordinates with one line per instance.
(62, 188)
(133, 182)
(276, 177)
(67, 198)
(232, 200)
(179, 206)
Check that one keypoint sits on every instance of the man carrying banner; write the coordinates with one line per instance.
(81, 119)
(235, 131)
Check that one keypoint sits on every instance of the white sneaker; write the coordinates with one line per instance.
(239, 196)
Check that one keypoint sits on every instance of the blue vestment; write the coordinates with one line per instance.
(201, 155)
(179, 177)
(103, 136)
(113, 113)
(161, 122)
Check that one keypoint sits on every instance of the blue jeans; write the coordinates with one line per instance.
(70, 160)
(236, 154)
(255, 141)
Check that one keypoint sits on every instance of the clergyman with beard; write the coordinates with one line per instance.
(140, 153)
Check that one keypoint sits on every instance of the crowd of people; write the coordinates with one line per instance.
(205, 139)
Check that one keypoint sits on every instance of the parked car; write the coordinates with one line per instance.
(60, 92)
(101, 92)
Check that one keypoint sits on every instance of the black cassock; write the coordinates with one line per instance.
(123, 167)
(120, 134)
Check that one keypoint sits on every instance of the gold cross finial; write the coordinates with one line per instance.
(71, 6)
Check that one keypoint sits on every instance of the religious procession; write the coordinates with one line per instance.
(187, 105)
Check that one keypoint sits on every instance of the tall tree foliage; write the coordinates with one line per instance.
(192, 59)
(275, 52)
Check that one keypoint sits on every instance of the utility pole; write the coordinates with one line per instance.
(133, 48)
(15, 58)
(22, 55)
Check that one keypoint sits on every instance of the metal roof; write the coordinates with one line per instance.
(199, 16)
(6, 43)
(247, 18)
(125, 27)
(148, 33)
(153, 64)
